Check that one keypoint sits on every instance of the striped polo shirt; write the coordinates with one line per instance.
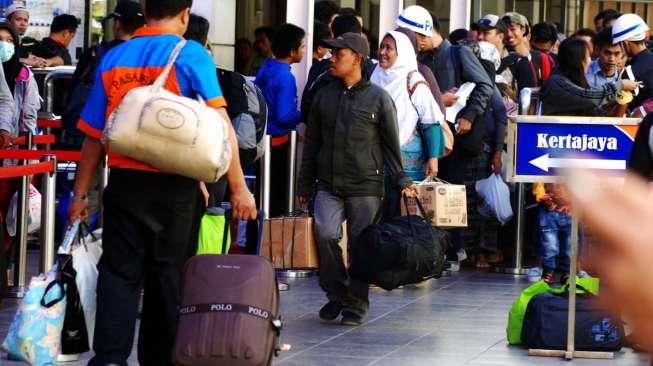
(139, 62)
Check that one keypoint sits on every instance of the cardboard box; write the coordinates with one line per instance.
(445, 203)
(289, 243)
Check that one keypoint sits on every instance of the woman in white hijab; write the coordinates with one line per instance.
(418, 114)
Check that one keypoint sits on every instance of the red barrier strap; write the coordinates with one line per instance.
(38, 154)
(23, 170)
(42, 139)
(52, 123)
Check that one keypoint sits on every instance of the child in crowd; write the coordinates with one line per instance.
(555, 230)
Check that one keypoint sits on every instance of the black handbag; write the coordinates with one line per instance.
(398, 251)
(74, 335)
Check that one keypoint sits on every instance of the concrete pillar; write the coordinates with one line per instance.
(222, 34)
(300, 13)
(459, 14)
(389, 10)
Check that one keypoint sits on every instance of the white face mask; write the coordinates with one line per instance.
(6, 51)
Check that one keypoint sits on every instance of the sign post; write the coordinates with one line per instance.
(540, 147)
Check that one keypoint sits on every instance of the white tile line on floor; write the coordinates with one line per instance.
(431, 333)
(368, 322)
(478, 355)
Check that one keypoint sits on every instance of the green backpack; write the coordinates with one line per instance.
(518, 309)
(214, 235)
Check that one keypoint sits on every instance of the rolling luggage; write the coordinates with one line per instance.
(399, 251)
(229, 313)
(545, 325)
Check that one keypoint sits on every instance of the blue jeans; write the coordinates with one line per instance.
(555, 236)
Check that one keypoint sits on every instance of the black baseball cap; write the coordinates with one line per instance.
(353, 41)
(126, 9)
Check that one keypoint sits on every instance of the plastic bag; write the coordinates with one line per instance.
(214, 235)
(86, 256)
(495, 195)
(35, 334)
(34, 212)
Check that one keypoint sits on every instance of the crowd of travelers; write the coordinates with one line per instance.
(373, 121)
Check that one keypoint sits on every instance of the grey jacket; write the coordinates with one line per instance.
(7, 106)
(351, 136)
(26, 103)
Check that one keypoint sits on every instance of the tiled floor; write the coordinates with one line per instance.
(458, 320)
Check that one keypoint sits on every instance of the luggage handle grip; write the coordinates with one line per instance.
(53, 302)
(410, 220)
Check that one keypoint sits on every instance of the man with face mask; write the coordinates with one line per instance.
(351, 136)
(54, 49)
(18, 15)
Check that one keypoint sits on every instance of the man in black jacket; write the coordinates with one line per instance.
(351, 136)
(319, 76)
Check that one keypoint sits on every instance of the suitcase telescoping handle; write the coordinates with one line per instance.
(225, 233)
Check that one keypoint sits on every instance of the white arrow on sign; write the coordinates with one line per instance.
(544, 162)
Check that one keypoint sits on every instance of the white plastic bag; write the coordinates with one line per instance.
(496, 198)
(86, 256)
(34, 212)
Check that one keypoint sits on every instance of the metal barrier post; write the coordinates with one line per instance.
(48, 196)
(104, 181)
(264, 191)
(518, 261)
(290, 205)
(292, 170)
(20, 264)
(59, 73)
(48, 131)
(526, 97)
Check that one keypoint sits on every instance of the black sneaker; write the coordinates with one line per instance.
(330, 311)
(351, 319)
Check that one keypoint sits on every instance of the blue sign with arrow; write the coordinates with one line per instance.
(543, 148)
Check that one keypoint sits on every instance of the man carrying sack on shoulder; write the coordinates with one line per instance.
(346, 150)
(148, 214)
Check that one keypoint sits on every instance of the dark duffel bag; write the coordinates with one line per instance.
(398, 251)
(229, 313)
(545, 324)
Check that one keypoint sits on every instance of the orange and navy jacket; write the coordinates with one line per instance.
(139, 62)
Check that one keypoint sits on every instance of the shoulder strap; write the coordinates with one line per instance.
(411, 88)
(161, 80)
(536, 66)
(546, 67)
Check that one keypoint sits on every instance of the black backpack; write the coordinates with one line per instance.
(72, 137)
(248, 111)
(399, 251)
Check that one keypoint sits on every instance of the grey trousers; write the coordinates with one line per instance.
(329, 214)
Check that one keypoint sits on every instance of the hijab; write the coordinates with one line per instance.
(421, 106)
(13, 67)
